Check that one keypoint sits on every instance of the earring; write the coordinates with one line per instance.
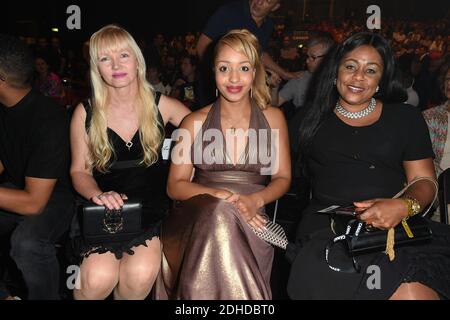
(335, 81)
(217, 93)
(377, 89)
(251, 93)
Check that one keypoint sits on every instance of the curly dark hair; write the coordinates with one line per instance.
(16, 62)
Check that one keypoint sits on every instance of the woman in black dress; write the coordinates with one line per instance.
(116, 139)
(361, 146)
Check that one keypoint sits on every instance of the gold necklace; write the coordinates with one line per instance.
(233, 126)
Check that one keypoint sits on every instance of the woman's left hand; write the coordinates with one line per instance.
(382, 213)
(248, 208)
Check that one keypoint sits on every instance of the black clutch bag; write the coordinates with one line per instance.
(100, 225)
(360, 239)
(370, 240)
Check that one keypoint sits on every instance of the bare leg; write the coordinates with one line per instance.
(414, 291)
(99, 275)
(138, 271)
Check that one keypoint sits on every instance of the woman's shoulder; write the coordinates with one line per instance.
(271, 111)
(401, 110)
(274, 116)
(435, 111)
(199, 115)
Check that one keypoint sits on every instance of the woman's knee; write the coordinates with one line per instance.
(414, 291)
(97, 282)
(139, 276)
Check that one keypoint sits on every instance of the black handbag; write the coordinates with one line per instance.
(100, 225)
(359, 239)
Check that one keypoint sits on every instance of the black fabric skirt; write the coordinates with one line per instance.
(119, 248)
(312, 278)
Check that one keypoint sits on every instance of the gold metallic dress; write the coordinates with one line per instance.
(209, 250)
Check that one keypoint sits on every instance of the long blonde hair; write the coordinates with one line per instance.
(243, 41)
(113, 38)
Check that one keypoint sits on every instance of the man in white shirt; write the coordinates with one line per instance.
(295, 90)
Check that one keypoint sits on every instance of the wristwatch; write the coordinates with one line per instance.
(413, 206)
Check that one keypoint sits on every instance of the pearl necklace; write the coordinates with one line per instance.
(356, 115)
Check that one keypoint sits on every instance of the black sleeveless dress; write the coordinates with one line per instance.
(125, 175)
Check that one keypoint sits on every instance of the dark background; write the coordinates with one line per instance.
(143, 18)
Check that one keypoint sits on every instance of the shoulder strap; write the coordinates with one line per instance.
(157, 97)
(88, 108)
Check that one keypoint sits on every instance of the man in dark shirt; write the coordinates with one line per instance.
(244, 14)
(36, 202)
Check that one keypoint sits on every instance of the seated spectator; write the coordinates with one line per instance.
(36, 202)
(116, 140)
(185, 88)
(362, 146)
(289, 57)
(170, 70)
(437, 119)
(296, 89)
(48, 82)
(154, 77)
(210, 250)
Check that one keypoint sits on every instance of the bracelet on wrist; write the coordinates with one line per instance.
(413, 206)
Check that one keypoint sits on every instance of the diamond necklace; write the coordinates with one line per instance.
(356, 115)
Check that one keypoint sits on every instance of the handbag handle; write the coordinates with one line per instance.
(436, 187)
(390, 241)
(355, 268)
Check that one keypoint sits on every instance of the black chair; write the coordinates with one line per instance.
(444, 194)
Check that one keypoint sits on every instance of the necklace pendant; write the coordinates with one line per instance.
(129, 144)
(233, 130)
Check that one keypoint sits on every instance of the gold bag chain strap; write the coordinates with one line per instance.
(390, 242)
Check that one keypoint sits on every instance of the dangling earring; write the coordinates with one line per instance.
(335, 81)
(217, 93)
(251, 93)
(377, 89)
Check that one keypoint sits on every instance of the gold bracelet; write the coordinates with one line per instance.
(413, 206)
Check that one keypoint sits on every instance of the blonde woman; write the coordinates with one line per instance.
(209, 248)
(122, 123)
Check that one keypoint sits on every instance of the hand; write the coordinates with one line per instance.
(248, 208)
(382, 213)
(111, 200)
(222, 194)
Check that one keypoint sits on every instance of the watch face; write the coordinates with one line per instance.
(416, 207)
